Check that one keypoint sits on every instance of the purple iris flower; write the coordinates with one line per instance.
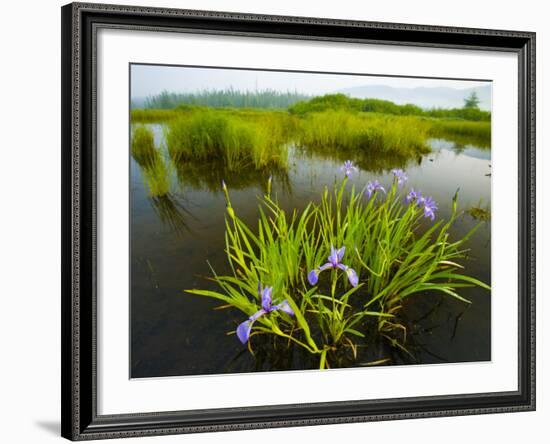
(334, 261)
(372, 187)
(413, 196)
(399, 175)
(429, 207)
(429, 204)
(244, 328)
(348, 168)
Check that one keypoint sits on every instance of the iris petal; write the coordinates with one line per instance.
(244, 328)
(313, 276)
(257, 315)
(333, 257)
(352, 276)
(284, 306)
(243, 331)
(266, 298)
(340, 253)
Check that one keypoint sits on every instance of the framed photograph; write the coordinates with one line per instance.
(281, 221)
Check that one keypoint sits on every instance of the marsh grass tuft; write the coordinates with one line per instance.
(364, 132)
(157, 177)
(209, 135)
(143, 146)
(154, 169)
(462, 131)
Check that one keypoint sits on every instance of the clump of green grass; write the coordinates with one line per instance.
(463, 131)
(348, 132)
(210, 135)
(157, 179)
(154, 170)
(387, 252)
(143, 146)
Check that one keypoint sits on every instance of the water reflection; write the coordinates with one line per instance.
(467, 149)
(366, 160)
(172, 212)
(209, 176)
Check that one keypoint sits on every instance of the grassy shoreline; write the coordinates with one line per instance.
(340, 129)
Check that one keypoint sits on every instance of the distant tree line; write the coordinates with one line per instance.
(301, 104)
(342, 102)
(226, 98)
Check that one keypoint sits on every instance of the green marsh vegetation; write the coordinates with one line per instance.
(205, 144)
(334, 123)
(152, 115)
(343, 102)
(463, 132)
(409, 125)
(143, 147)
(347, 132)
(383, 247)
(154, 169)
(239, 142)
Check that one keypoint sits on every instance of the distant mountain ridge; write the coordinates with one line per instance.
(425, 97)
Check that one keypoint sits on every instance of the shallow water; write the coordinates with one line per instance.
(174, 238)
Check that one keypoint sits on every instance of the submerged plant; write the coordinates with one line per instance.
(478, 212)
(394, 248)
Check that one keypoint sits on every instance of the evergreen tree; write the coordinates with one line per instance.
(472, 101)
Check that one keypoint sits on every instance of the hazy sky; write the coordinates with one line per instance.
(147, 80)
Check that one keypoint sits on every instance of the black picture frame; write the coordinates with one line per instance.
(80, 22)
